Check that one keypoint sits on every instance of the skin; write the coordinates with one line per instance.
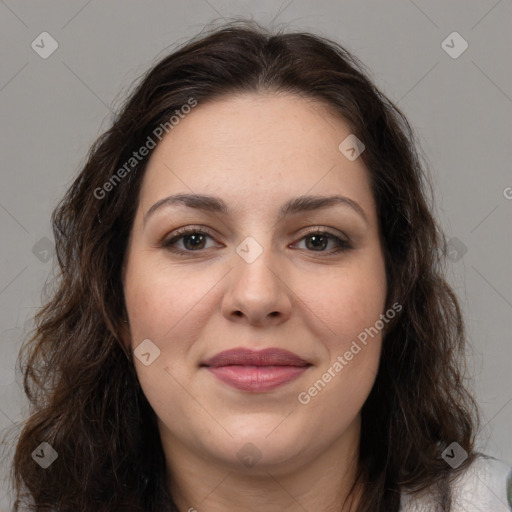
(256, 151)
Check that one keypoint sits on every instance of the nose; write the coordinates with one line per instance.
(257, 292)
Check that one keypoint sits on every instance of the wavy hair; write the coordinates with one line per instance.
(86, 401)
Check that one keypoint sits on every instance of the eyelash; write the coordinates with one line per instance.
(343, 245)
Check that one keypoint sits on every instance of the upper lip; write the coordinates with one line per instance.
(247, 357)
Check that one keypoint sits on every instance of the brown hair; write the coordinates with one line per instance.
(81, 382)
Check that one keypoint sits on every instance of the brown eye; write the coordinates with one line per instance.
(194, 241)
(187, 240)
(319, 241)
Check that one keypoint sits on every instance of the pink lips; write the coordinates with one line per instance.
(256, 371)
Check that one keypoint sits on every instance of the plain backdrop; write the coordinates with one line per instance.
(458, 100)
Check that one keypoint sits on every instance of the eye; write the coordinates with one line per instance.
(191, 240)
(319, 241)
(194, 239)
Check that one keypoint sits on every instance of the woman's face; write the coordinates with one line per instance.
(255, 274)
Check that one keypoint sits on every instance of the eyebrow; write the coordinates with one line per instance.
(295, 205)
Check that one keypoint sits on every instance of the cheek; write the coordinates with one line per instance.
(170, 308)
(161, 300)
(347, 300)
(353, 334)
(341, 384)
(350, 303)
(165, 308)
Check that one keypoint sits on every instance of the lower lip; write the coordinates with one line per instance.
(257, 378)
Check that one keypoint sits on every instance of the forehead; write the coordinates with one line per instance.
(256, 146)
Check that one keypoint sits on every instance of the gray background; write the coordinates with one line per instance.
(53, 109)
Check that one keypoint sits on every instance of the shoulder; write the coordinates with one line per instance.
(482, 487)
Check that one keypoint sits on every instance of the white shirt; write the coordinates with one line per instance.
(482, 487)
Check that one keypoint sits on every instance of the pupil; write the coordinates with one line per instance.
(197, 240)
(318, 241)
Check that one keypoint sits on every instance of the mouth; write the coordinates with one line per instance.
(256, 371)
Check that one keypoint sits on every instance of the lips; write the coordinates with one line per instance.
(256, 371)
(247, 357)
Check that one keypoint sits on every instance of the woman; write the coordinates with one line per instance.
(251, 312)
